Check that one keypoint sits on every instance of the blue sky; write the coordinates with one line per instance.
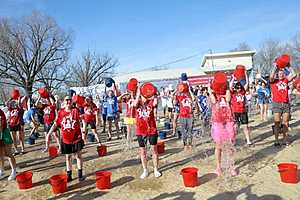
(144, 34)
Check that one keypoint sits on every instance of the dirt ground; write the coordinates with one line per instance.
(258, 175)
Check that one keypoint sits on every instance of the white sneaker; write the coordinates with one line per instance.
(12, 176)
(157, 173)
(45, 150)
(1, 173)
(144, 174)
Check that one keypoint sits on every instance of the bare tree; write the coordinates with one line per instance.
(294, 49)
(28, 46)
(242, 47)
(267, 54)
(91, 69)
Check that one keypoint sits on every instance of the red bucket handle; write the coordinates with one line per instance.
(282, 170)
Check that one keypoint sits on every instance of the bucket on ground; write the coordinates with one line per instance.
(160, 147)
(162, 135)
(53, 151)
(288, 172)
(102, 150)
(24, 180)
(103, 180)
(190, 176)
(59, 183)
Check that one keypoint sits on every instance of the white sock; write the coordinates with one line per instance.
(144, 174)
(12, 175)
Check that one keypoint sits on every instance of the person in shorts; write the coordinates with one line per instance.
(50, 114)
(146, 130)
(281, 105)
(5, 148)
(238, 106)
(90, 118)
(71, 138)
(15, 122)
(263, 99)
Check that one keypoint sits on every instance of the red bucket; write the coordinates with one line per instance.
(43, 92)
(79, 100)
(24, 180)
(15, 94)
(160, 147)
(102, 150)
(59, 183)
(53, 151)
(103, 180)
(190, 176)
(239, 72)
(297, 84)
(282, 61)
(132, 85)
(148, 90)
(288, 172)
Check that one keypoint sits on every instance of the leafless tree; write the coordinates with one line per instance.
(28, 47)
(242, 47)
(294, 49)
(91, 69)
(267, 54)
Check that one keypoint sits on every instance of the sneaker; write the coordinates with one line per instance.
(12, 176)
(1, 173)
(45, 150)
(144, 174)
(157, 173)
(16, 153)
(233, 172)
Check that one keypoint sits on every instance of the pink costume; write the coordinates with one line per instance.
(223, 126)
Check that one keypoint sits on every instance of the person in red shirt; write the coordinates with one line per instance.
(90, 118)
(71, 138)
(5, 147)
(50, 114)
(146, 130)
(280, 101)
(185, 99)
(15, 122)
(238, 106)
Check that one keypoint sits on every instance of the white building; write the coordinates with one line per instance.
(227, 61)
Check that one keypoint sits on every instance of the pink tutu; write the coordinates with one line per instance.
(222, 132)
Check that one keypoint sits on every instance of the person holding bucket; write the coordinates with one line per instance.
(5, 148)
(50, 114)
(146, 126)
(71, 138)
(238, 102)
(185, 98)
(16, 121)
(90, 118)
(279, 89)
(130, 118)
(223, 127)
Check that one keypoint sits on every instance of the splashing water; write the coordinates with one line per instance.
(227, 160)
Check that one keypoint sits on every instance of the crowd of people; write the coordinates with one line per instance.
(221, 105)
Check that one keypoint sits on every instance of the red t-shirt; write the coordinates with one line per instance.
(279, 89)
(89, 112)
(70, 125)
(49, 114)
(15, 114)
(130, 109)
(3, 119)
(238, 101)
(145, 121)
(185, 105)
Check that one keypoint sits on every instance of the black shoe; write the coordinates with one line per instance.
(69, 174)
(80, 177)
(277, 144)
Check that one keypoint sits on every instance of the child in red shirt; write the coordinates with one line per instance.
(146, 130)
(71, 141)
(90, 118)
